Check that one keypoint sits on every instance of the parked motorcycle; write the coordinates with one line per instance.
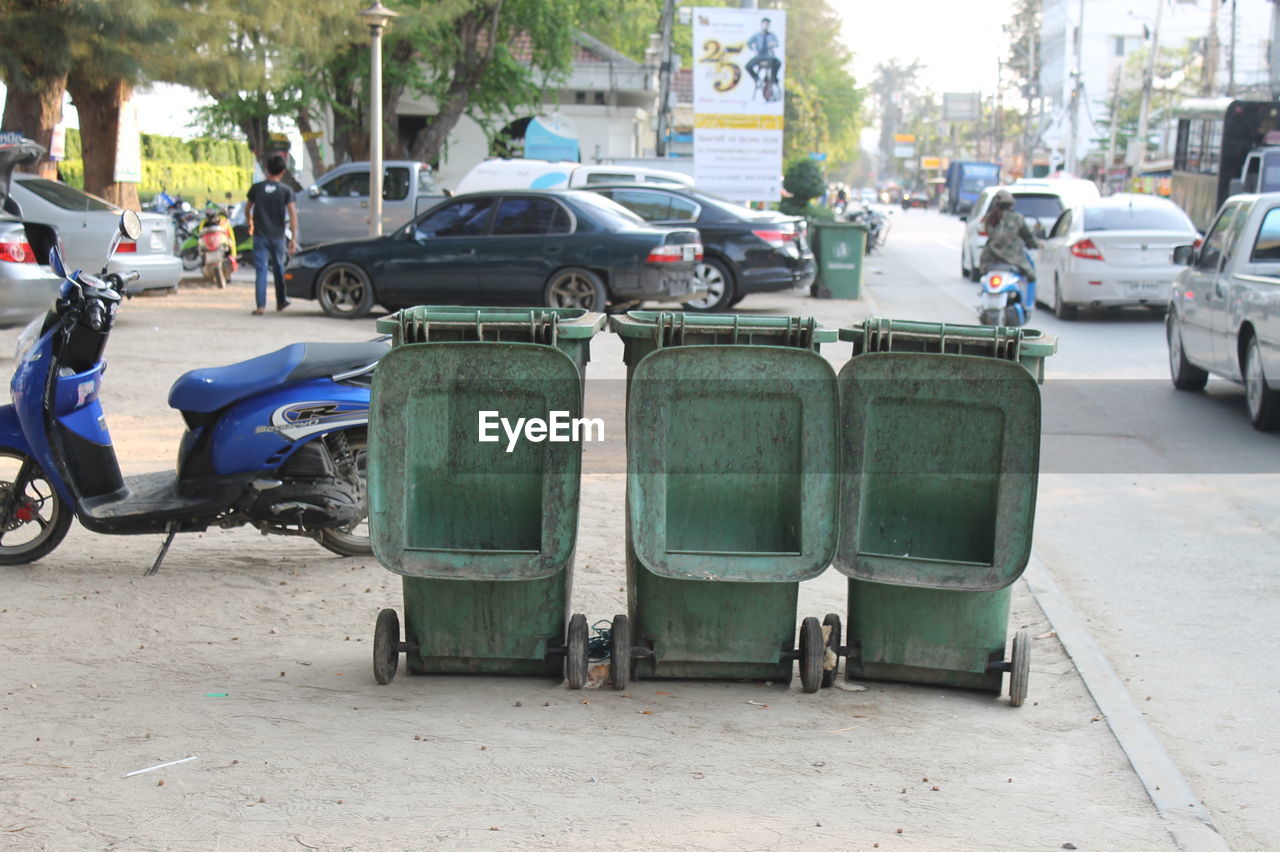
(1006, 296)
(876, 223)
(277, 442)
(217, 251)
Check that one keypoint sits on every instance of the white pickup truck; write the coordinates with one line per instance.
(1224, 313)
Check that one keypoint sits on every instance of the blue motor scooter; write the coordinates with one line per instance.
(1006, 296)
(277, 441)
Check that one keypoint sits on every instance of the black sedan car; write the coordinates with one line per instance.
(747, 251)
(568, 248)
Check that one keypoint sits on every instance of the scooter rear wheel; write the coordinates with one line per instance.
(353, 540)
(38, 519)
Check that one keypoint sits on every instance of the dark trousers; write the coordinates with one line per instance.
(267, 250)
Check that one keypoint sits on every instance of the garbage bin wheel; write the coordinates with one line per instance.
(833, 645)
(620, 652)
(386, 646)
(1019, 668)
(812, 650)
(575, 658)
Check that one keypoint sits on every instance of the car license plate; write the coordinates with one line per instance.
(688, 252)
(158, 241)
(1143, 289)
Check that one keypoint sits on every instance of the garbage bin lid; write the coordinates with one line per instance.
(732, 463)
(443, 503)
(939, 457)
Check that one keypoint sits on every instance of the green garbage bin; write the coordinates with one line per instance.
(840, 248)
(940, 444)
(731, 496)
(481, 526)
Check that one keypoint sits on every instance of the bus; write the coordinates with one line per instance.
(1224, 147)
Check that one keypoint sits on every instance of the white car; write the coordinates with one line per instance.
(1040, 202)
(1114, 252)
(87, 224)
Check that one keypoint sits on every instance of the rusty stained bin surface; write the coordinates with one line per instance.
(940, 437)
(483, 533)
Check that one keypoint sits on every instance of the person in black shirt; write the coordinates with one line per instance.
(269, 202)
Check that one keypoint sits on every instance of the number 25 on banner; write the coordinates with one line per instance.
(728, 73)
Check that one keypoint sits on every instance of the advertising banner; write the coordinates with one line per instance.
(128, 145)
(739, 68)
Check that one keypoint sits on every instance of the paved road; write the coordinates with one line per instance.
(1157, 515)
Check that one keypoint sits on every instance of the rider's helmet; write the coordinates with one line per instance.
(1003, 198)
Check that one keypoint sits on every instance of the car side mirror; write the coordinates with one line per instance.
(1184, 255)
(314, 191)
(964, 218)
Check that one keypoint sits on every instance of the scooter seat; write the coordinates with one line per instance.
(210, 389)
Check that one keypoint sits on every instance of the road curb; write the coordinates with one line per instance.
(1184, 816)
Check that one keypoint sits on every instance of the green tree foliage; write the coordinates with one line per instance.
(34, 60)
(495, 59)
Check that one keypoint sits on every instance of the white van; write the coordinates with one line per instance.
(545, 174)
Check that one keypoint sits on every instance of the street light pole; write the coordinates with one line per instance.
(1148, 80)
(377, 17)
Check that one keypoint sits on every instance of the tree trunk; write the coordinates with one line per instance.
(306, 127)
(393, 146)
(34, 112)
(98, 101)
(467, 71)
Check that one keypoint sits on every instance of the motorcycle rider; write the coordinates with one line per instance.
(1008, 237)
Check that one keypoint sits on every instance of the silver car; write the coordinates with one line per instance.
(27, 288)
(87, 224)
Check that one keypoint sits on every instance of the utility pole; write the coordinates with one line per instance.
(664, 78)
(1148, 78)
(1209, 77)
(1077, 76)
(1111, 140)
(1033, 89)
(1231, 57)
(1274, 54)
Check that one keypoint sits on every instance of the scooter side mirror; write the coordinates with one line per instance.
(130, 225)
(313, 191)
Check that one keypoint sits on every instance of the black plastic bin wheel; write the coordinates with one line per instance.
(812, 650)
(620, 652)
(386, 646)
(575, 658)
(1019, 668)
(833, 645)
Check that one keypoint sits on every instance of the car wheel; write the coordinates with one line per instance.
(1264, 403)
(1186, 376)
(1061, 309)
(718, 281)
(574, 287)
(344, 290)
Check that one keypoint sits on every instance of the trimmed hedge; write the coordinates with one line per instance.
(198, 170)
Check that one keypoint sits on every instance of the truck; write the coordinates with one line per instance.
(1224, 147)
(336, 206)
(965, 179)
(1221, 317)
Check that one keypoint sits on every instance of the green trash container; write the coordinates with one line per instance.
(482, 532)
(731, 496)
(840, 248)
(940, 445)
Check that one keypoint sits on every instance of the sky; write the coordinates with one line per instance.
(959, 43)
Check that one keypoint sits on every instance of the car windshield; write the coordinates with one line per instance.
(1116, 217)
(67, 197)
(1038, 206)
(606, 211)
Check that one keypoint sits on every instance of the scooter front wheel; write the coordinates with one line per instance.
(37, 520)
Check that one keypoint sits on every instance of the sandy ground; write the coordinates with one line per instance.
(252, 654)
